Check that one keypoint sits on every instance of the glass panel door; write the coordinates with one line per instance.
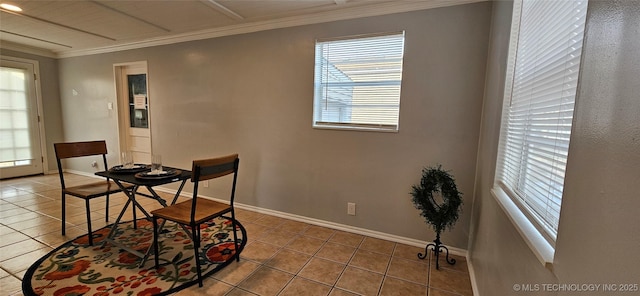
(138, 104)
(20, 153)
(134, 110)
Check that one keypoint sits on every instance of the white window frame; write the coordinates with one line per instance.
(513, 179)
(357, 82)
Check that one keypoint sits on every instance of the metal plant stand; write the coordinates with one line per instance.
(437, 248)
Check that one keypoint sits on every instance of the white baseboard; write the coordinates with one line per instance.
(472, 276)
(332, 225)
(318, 222)
(348, 228)
(82, 173)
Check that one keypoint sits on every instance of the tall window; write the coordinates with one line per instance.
(357, 82)
(538, 108)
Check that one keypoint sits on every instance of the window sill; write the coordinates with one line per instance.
(536, 242)
(355, 128)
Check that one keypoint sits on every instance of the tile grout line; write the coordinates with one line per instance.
(280, 248)
(347, 265)
(386, 272)
(314, 256)
(37, 237)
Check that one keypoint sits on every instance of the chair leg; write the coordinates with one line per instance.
(155, 241)
(63, 213)
(235, 235)
(198, 230)
(89, 221)
(195, 229)
(106, 218)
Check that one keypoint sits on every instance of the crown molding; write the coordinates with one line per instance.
(27, 49)
(251, 27)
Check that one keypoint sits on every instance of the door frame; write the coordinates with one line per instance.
(119, 75)
(44, 167)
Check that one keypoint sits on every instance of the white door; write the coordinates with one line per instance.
(20, 149)
(135, 135)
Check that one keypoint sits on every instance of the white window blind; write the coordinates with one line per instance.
(538, 109)
(357, 82)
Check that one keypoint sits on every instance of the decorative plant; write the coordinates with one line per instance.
(439, 215)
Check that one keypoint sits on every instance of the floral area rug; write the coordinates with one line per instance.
(75, 268)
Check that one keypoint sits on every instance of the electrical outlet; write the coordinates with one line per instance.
(351, 208)
(205, 183)
(94, 164)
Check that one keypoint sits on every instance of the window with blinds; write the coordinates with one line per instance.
(357, 82)
(538, 108)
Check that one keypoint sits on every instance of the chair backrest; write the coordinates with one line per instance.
(206, 169)
(79, 149)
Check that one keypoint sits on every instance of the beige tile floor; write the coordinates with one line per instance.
(282, 257)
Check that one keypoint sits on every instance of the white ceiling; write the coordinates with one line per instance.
(79, 27)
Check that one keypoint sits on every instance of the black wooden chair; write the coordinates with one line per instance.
(85, 191)
(192, 213)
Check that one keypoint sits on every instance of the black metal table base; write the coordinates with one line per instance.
(437, 247)
(134, 203)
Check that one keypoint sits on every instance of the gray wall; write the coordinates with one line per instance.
(599, 231)
(253, 94)
(49, 85)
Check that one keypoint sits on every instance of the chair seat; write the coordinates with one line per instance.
(181, 212)
(96, 189)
